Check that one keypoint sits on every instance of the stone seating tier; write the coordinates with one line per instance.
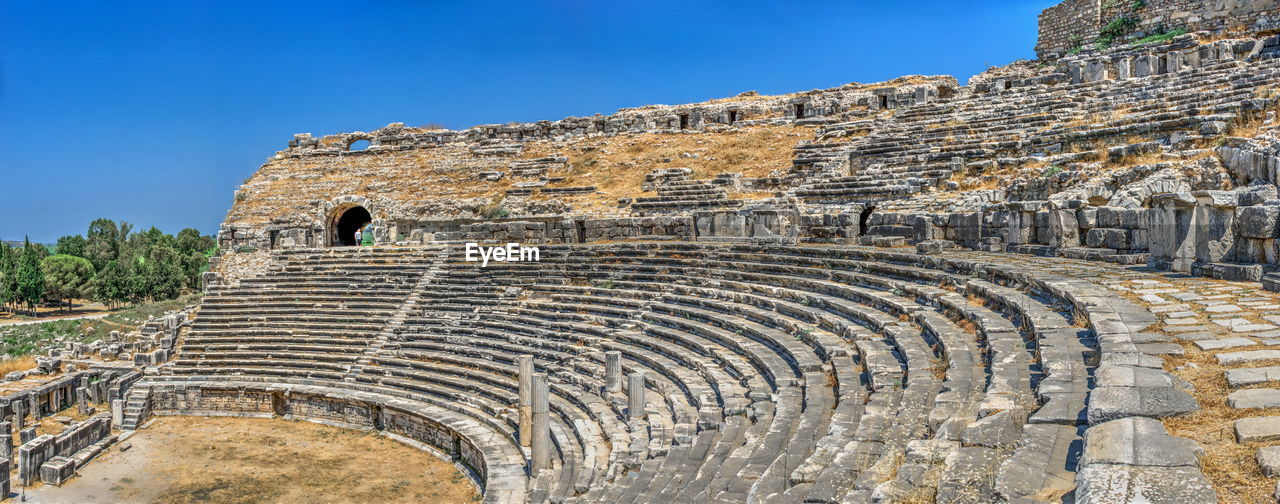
(799, 374)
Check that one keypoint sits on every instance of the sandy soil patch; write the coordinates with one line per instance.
(241, 460)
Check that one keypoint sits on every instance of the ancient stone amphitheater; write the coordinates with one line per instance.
(1043, 286)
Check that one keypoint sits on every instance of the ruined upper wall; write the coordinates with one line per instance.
(747, 109)
(1066, 22)
(1077, 23)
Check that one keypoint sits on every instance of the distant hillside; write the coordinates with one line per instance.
(19, 244)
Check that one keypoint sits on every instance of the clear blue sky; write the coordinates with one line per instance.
(154, 112)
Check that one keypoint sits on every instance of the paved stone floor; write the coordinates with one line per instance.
(1223, 339)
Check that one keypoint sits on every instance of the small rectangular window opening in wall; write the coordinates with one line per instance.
(733, 116)
(884, 101)
(799, 111)
(684, 121)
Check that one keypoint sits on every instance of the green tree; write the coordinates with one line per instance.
(40, 250)
(190, 240)
(193, 264)
(73, 245)
(30, 289)
(193, 254)
(111, 285)
(8, 275)
(102, 243)
(162, 274)
(67, 277)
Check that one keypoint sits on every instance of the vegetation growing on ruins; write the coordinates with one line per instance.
(21, 340)
(617, 165)
(1161, 35)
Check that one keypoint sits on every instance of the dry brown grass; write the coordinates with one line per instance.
(617, 165)
(1232, 467)
(23, 363)
(1250, 125)
(755, 195)
(923, 495)
(237, 460)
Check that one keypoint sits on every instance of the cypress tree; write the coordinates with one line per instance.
(30, 277)
(8, 278)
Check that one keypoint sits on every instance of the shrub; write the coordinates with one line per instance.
(1117, 28)
(1160, 36)
(494, 210)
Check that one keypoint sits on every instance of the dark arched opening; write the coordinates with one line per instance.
(348, 223)
(864, 218)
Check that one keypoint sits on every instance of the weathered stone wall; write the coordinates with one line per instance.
(425, 430)
(313, 407)
(194, 400)
(1198, 15)
(743, 110)
(1077, 22)
(1067, 24)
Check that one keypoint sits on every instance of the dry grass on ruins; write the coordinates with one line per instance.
(22, 363)
(617, 165)
(1231, 466)
(178, 460)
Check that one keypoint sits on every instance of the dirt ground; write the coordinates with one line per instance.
(242, 460)
(79, 308)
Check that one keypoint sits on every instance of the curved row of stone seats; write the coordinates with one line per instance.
(304, 318)
(495, 332)
(1126, 456)
(795, 374)
(563, 305)
(652, 282)
(680, 194)
(668, 461)
(1053, 439)
(533, 312)
(957, 362)
(921, 145)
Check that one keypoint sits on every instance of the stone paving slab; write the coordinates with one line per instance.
(1219, 344)
(1249, 430)
(1252, 376)
(1247, 356)
(1269, 459)
(1254, 398)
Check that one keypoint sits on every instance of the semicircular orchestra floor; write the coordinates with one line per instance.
(178, 460)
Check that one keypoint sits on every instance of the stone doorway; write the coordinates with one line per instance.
(345, 224)
(864, 218)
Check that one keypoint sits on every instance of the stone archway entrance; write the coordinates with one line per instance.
(344, 224)
(863, 218)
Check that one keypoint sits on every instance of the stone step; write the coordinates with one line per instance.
(1257, 429)
(1254, 398)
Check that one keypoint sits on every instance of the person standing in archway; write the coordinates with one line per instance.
(358, 236)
